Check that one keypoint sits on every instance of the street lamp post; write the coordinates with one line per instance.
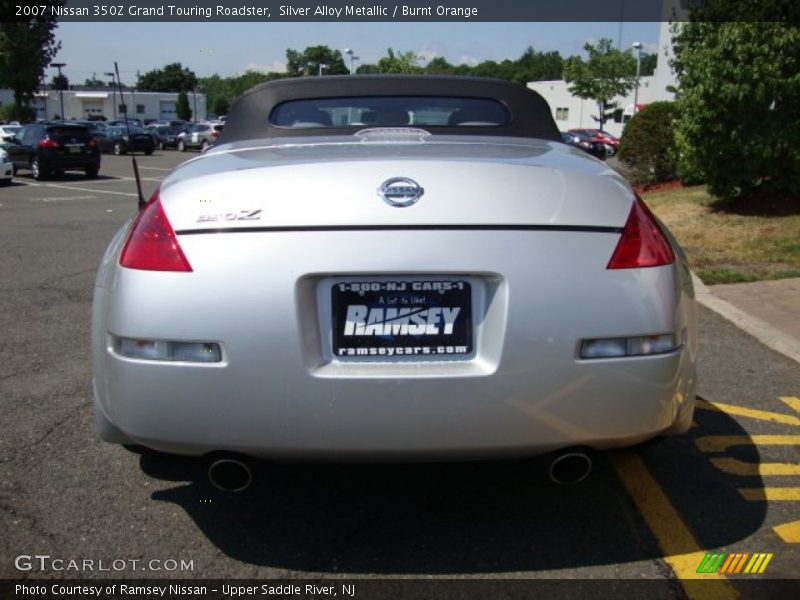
(322, 67)
(60, 87)
(638, 47)
(353, 58)
(113, 92)
(43, 93)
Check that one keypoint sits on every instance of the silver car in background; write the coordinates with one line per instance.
(384, 268)
(200, 135)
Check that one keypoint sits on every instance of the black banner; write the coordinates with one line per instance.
(387, 589)
(339, 11)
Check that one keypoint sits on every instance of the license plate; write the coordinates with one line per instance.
(383, 320)
(75, 149)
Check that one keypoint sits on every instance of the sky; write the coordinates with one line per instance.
(229, 49)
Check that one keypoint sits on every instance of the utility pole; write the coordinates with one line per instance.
(113, 91)
(60, 87)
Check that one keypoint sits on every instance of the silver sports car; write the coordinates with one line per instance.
(378, 268)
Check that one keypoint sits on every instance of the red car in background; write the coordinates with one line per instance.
(611, 142)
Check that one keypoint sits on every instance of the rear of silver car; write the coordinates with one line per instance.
(283, 333)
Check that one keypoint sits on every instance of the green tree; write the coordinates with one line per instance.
(537, 66)
(439, 66)
(299, 64)
(606, 74)
(182, 107)
(221, 106)
(94, 82)
(367, 69)
(221, 91)
(60, 82)
(27, 46)
(172, 78)
(402, 62)
(739, 104)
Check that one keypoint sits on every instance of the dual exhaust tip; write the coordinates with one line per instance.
(230, 475)
(234, 475)
(570, 467)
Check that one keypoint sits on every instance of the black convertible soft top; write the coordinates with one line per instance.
(249, 117)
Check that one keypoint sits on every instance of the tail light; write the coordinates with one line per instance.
(48, 143)
(152, 244)
(643, 243)
(215, 134)
(93, 142)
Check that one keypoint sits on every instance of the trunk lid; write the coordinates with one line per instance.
(334, 183)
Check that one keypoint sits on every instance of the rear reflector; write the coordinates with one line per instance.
(152, 244)
(643, 243)
(202, 352)
(632, 346)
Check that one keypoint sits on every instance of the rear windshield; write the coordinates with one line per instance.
(394, 111)
(79, 133)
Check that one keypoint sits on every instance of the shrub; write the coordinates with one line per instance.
(647, 145)
(16, 112)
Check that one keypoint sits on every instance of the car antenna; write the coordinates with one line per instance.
(128, 127)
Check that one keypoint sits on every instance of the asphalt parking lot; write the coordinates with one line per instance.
(732, 485)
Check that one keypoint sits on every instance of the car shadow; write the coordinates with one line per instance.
(496, 517)
(67, 177)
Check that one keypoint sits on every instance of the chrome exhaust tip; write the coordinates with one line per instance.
(230, 475)
(570, 467)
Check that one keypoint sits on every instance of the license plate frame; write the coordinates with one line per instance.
(402, 318)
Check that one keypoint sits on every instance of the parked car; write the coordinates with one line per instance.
(200, 135)
(6, 168)
(176, 123)
(611, 142)
(445, 288)
(123, 123)
(122, 140)
(595, 148)
(7, 131)
(164, 135)
(52, 148)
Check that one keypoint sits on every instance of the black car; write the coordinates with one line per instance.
(585, 143)
(121, 140)
(165, 136)
(52, 148)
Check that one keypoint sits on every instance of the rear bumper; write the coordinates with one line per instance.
(616, 404)
(280, 393)
(65, 162)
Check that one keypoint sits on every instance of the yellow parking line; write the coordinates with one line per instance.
(789, 532)
(720, 443)
(752, 413)
(779, 494)
(792, 401)
(733, 466)
(676, 541)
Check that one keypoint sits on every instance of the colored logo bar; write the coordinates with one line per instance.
(734, 563)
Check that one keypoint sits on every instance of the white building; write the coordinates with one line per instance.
(109, 103)
(571, 112)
